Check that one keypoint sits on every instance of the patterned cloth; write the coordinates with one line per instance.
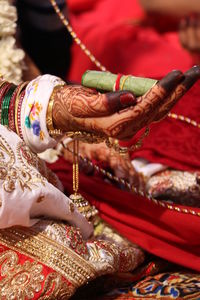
(176, 186)
(29, 190)
(52, 260)
(169, 285)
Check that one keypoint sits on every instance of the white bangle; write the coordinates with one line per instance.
(34, 110)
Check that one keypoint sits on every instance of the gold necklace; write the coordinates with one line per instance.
(132, 188)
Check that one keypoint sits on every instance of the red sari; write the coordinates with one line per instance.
(109, 30)
(123, 39)
(166, 233)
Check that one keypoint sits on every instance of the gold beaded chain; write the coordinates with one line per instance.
(84, 207)
(99, 65)
(184, 119)
(132, 188)
(75, 166)
(114, 144)
(75, 37)
(98, 169)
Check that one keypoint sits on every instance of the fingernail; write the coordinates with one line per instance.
(198, 179)
(171, 80)
(121, 99)
(191, 76)
(183, 23)
(193, 20)
(127, 99)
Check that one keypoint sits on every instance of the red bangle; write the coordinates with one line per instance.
(11, 114)
(19, 114)
(117, 83)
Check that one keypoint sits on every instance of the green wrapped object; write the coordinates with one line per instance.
(104, 81)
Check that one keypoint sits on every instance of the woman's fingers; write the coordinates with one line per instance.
(74, 104)
(83, 102)
(128, 121)
(191, 76)
(189, 33)
(183, 36)
(131, 120)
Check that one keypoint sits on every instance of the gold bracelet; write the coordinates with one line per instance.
(49, 116)
(123, 82)
(56, 133)
(2, 82)
(87, 137)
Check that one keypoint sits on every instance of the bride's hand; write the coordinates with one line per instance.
(120, 165)
(119, 114)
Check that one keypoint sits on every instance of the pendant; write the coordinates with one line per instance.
(83, 206)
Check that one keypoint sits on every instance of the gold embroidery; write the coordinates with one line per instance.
(6, 154)
(103, 231)
(60, 258)
(175, 186)
(26, 157)
(19, 281)
(31, 161)
(56, 288)
(23, 281)
(64, 234)
(40, 199)
(12, 175)
(125, 254)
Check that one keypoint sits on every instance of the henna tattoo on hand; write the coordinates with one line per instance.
(191, 76)
(79, 108)
(84, 102)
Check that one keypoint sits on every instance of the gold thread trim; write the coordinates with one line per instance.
(60, 258)
(123, 82)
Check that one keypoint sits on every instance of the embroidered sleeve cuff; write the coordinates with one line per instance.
(34, 110)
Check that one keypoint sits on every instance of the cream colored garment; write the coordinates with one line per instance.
(26, 189)
(146, 168)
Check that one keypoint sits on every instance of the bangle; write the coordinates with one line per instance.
(11, 113)
(18, 104)
(49, 116)
(2, 83)
(4, 87)
(18, 127)
(6, 103)
(56, 133)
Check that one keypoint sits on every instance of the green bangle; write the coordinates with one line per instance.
(6, 104)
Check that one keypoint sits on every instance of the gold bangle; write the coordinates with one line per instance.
(55, 132)
(49, 116)
(123, 82)
(2, 83)
(21, 88)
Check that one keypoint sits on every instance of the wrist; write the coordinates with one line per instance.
(59, 110)
(52, 127)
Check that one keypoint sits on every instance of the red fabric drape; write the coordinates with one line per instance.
(140, 50)
(172, 142)
(168, 234)
(110, 30)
